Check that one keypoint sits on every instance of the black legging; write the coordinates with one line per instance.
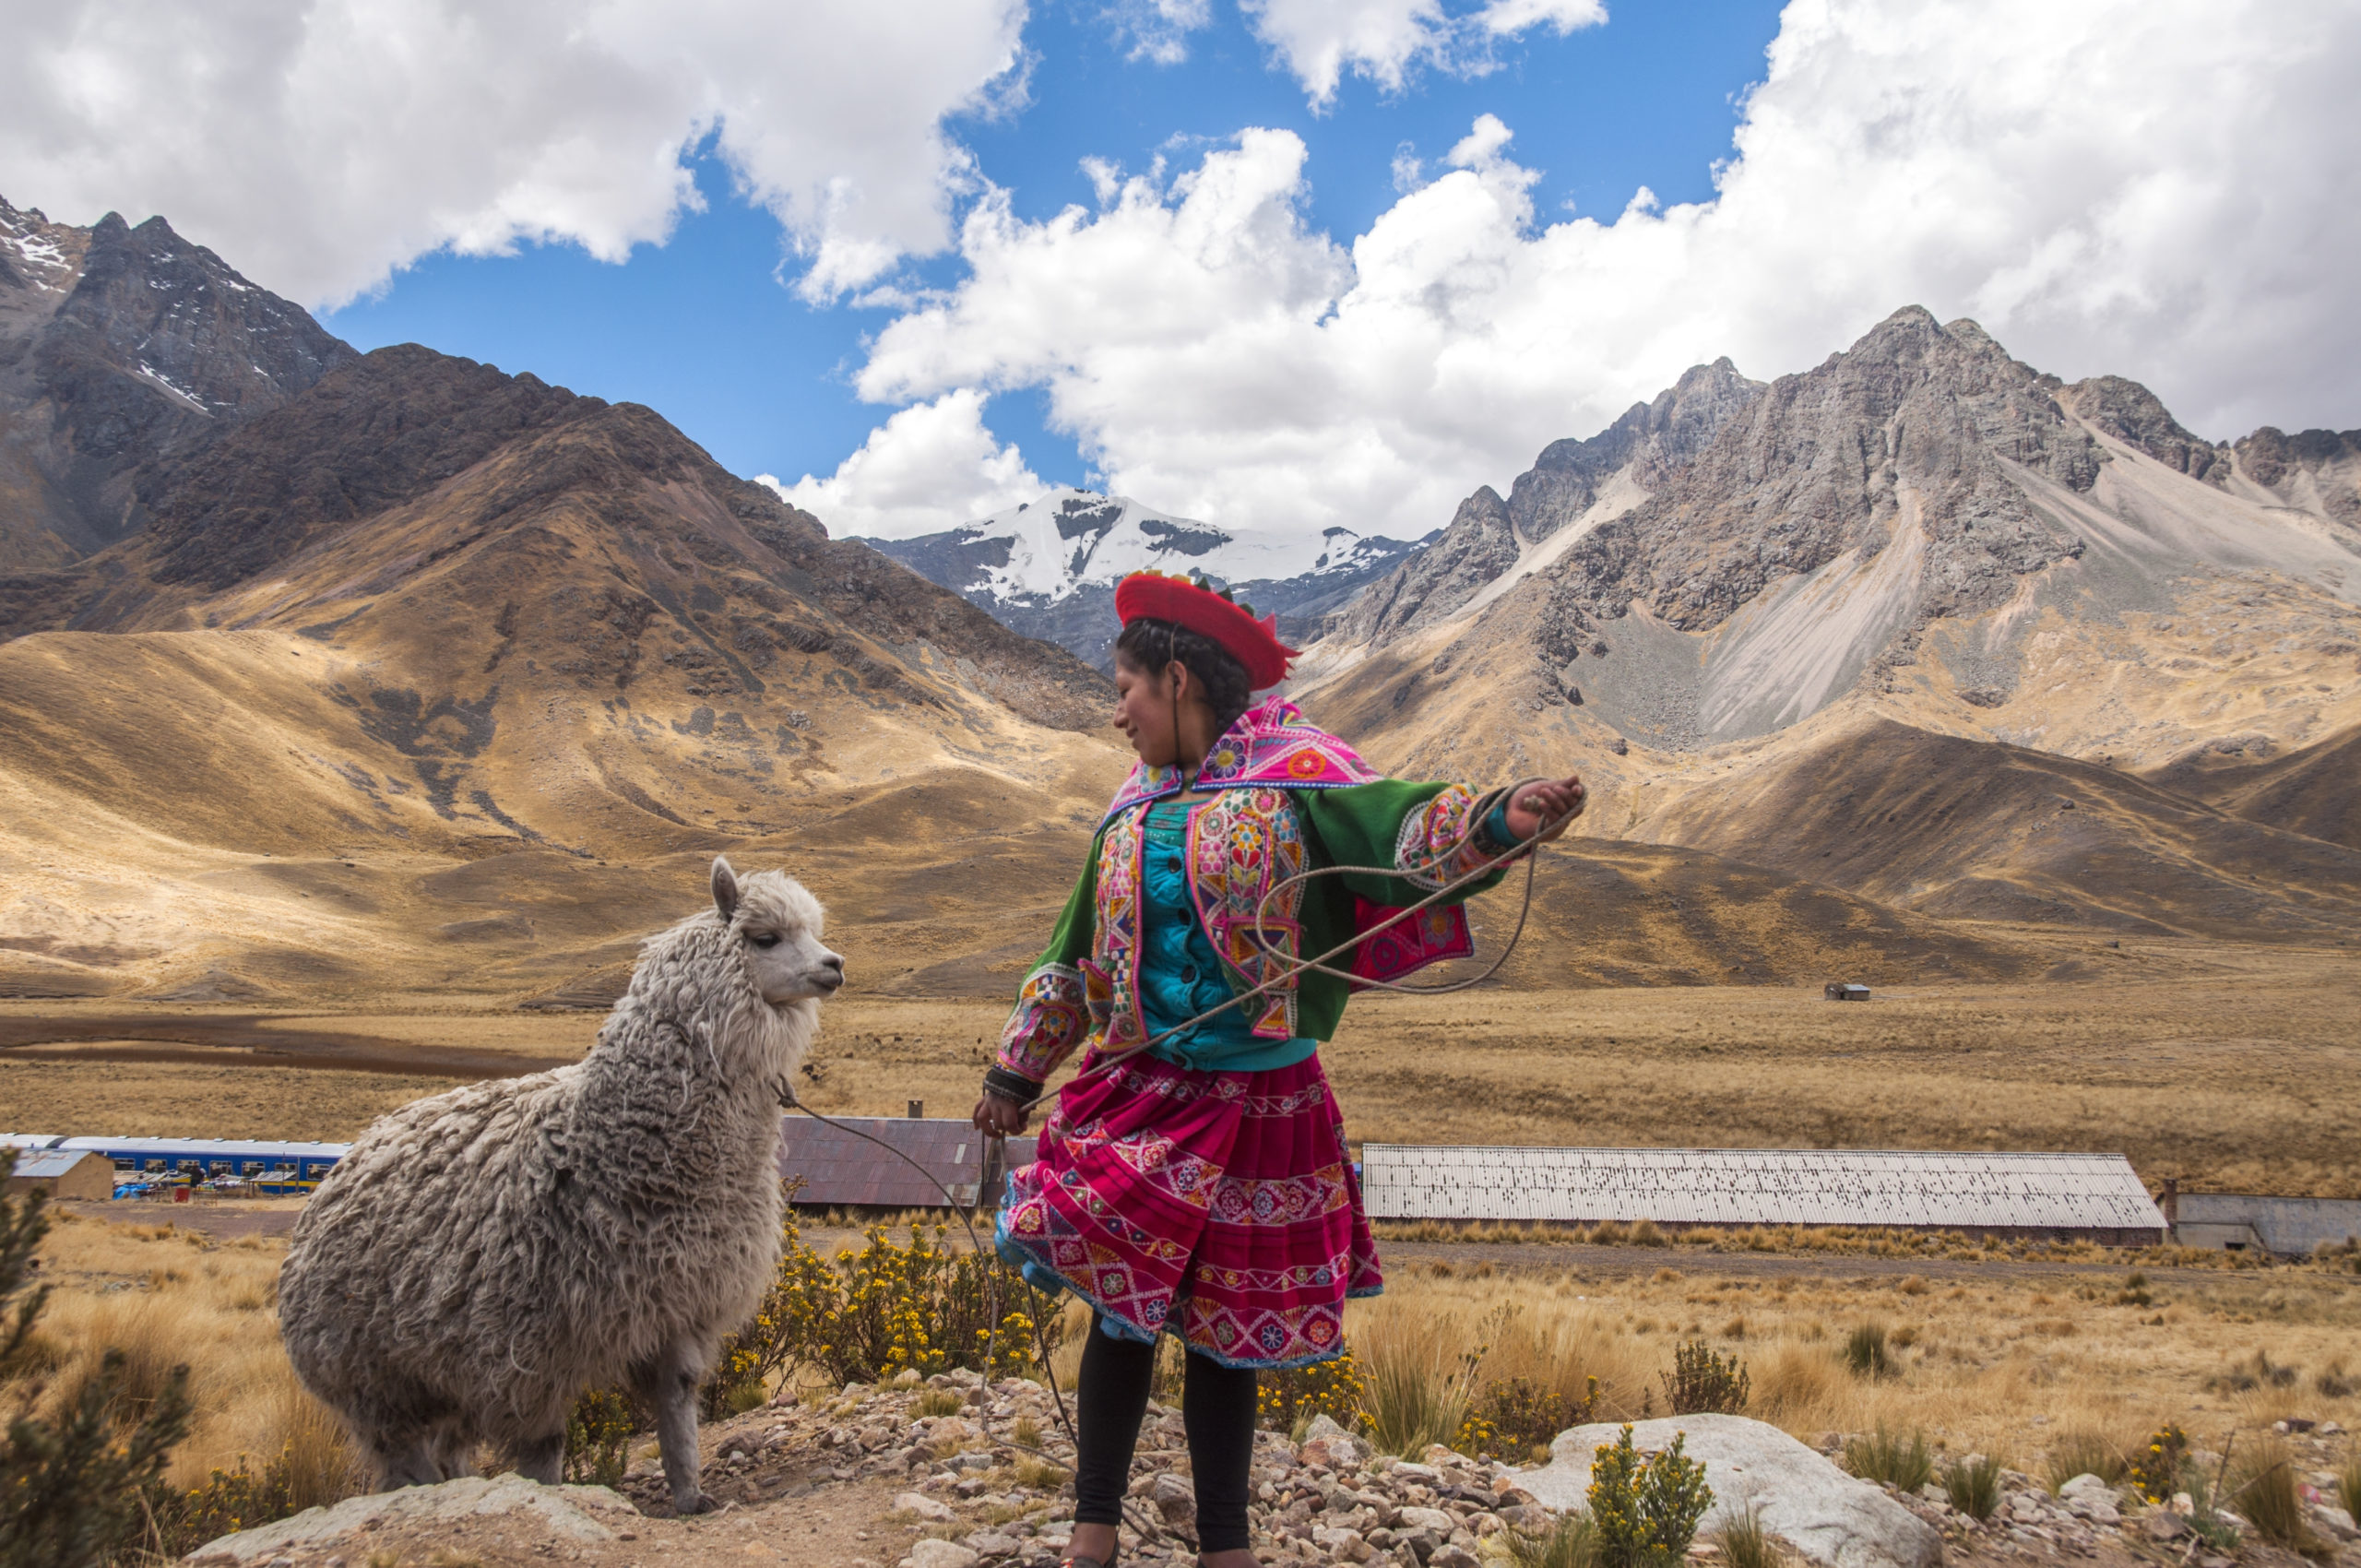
(1217, 1408)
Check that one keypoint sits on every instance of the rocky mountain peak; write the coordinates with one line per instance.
(1729, 558)
(120, 345)
(1049, 567)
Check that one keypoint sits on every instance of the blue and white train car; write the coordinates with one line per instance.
(31, 1140)
(304, 1163)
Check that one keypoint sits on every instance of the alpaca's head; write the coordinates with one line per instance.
(773, 926)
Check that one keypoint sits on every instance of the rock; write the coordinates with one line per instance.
(919, 1505)
(2293, 1424)
(991, 1543)
(1174, 1498)
(1434, 1519)
(1827, 1516)
(939, 1554)
(2164, 1526)
(1454, 1556)
(2087, 1485)
(568, 1513)
(1335, 1448)
(2335, 1521)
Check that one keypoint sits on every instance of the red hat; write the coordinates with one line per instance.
(1255, 644)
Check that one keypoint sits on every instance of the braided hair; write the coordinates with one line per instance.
(1148, 645)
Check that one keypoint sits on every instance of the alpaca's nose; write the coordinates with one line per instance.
(832, 970)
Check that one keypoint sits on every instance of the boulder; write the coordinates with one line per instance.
(562, 1512)
(1175, 1498)
(918, 1504)
(1330, 1446)
(939, 1554)
(1827, 1516)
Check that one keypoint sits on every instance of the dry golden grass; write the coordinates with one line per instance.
(2003, 1364)
(168, 1297)
(173, 1099)
(2225, 1067)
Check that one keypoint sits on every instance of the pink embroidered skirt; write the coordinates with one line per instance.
(1218, 1207)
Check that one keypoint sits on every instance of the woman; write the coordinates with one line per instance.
(1201, 1187)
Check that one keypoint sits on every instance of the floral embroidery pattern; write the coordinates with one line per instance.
(1166, 1196)
(1241, 844)
(1438, 844)
(1049, 1021)
(1271, 743)
(1115, 946)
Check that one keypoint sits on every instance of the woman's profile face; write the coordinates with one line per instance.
(1143, 709)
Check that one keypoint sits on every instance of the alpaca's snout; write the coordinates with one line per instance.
(830, 974)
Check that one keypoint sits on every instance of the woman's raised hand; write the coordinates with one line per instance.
(1540, 800)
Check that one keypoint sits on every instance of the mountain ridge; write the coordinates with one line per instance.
(1047, 567)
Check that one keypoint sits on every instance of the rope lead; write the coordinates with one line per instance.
(1295, 967)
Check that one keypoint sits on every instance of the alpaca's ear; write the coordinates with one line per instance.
(725, 886)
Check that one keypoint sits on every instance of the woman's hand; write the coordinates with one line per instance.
(1533, 803)
(994, 1115)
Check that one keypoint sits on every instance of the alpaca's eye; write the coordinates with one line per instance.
(764, 939)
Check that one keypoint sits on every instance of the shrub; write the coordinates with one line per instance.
(1520, 1416)
(1644, 1512)
(2266, 1496)
(598, 1437)
(1286, 1401)
(2348, 1486)
(1417, 1381)
(1570, 1542)
(2154, 1471)
(2256, 1372)
(1703, 1382)
(233, 1500)
(1887, 1455)
(1865, 1351)
(2084, 1453)
(941, 1402)
(1973, 1484)
(71, 1488)
(890, 1308)
(2205, 1522)
(1746, 1544)
(1645, 1234)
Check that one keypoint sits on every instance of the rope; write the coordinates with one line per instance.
(1294, 966)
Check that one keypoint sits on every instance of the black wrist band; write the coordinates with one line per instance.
(1010, 1086)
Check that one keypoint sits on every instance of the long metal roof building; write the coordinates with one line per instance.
(2094, 1196)
(839, 1166)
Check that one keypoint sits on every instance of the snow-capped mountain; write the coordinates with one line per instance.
(1049, 567)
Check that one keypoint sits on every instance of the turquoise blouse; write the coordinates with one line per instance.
(1181, 976)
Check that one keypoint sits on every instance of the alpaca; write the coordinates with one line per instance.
(482, 1256)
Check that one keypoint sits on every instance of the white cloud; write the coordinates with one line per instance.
(1319, 40)
(2162, 190)
(1158, 30)
(321, 145)
(932, 466)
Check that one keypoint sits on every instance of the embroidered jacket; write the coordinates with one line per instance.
(1287, 798)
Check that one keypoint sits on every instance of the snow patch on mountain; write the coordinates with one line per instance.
(1049, 567)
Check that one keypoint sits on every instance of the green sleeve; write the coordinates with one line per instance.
(1051, 1016)
(1069, 939)
(1423, 833)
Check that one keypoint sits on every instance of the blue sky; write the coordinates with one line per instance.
(706, 328)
